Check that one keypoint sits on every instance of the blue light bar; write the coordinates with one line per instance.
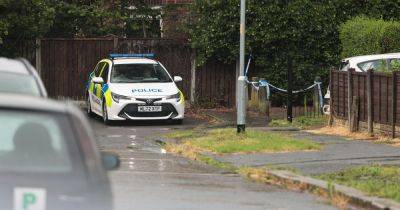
(146, 55)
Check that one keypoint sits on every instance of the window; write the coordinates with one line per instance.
(34, 142)
(98, 69)
(18, 83)
(104, 74)
(377, 65)
(139, 73)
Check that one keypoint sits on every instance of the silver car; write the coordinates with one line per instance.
(48, 157)
(19, 76)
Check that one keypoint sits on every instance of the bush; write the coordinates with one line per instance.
(363, 36)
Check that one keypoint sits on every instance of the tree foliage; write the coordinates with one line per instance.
(363, 36)
(21, 20)
(78, 18)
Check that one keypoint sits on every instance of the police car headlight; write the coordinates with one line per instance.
(175, 96)
(117, 97)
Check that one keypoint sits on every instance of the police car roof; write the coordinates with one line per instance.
(134, 61)
(12, 66)
(32, 103)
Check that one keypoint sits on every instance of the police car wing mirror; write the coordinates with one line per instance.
(97, 80)
(177, 79)
(110, 161)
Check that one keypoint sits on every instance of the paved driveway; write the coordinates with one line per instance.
(150, 179)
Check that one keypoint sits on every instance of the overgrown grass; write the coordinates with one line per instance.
(302, 122)
(222, 141)
(376, 180)
(193, 154)
(180, 134)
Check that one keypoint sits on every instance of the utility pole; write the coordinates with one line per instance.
(241, 93)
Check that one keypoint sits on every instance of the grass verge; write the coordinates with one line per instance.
(302, 122)
(261, 175)
(227, 141)
(193, 154)
(376, 180)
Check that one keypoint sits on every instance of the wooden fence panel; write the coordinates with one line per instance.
(382, 96)
(216, 84)
(360, 91)
(339, 94)
(66, 64)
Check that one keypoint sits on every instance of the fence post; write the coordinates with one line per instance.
(290, 89)
(38, 57)
(354, 114)
(262, 98)
(254, 94)
(394, 102)
(115, 44)
(193, 79)
(349, 96)
(370, 105)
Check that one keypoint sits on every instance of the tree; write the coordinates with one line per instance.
(88, 18)
(23, 20)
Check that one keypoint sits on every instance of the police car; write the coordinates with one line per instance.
(134, 87)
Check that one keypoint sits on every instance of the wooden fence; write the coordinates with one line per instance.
(64, 65)
(369, 97)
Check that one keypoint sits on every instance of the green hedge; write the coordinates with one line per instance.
(363, 36)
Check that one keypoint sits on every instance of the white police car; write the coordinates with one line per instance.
(134, 87)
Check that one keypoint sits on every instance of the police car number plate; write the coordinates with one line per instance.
(149, 108)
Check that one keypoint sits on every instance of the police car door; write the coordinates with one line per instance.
(95, 89)
(104, 75)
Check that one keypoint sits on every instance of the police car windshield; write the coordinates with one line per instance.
(18, 83)
(139, 73)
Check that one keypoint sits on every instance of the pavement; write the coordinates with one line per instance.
(151, 179)
(337, 154)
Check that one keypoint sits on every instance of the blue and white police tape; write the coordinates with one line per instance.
(264, 83)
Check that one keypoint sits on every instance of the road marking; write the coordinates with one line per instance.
(132, 136)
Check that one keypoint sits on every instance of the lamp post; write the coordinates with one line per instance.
(241, 93)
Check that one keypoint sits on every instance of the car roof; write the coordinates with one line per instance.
(134, 61)
(34, 103)
(362, 58)
(13, 66)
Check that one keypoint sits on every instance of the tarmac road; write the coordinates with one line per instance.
(150, 179)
